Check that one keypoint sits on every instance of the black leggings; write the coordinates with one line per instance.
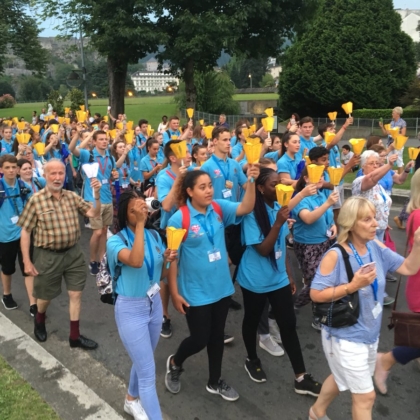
(207, 325)
(282, 308)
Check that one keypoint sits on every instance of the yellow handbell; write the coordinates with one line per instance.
(269, 112)
(400, 141)
(413, 152)
(358, 145)
(112, 134)
(284, 194)
(332, 116)
(66, 110)
(315, 173)
(40, 148)
(21, 125)
(67, 121)
(394, 132)
(387, 127)
(129, 125)
(253, 140)
(8, 122)
(201, 122)
(208, 131)
(246, 132)
(23, 138)
(252, 129)
(335, 175)
(190, 112)
(149, 130)
(174, 237)
(308, 161)
(54, 128)
(82, 108)
(105, 118)
(35, 128)
(348, 107)
(180, 149)
(252, 152)
(129, 136)
(60, 120)
(81, 116)
(15, 120)
(119, 126)
(268, 124)
(329, 137)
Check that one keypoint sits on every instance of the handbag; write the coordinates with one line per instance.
(406, 325)
(343, 312)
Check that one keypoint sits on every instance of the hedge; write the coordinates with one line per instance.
(375, 114)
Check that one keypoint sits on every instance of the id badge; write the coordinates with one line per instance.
(227, 193)
(14, 219)
(229, 185)
(278, 254)
(105, 181)
(376, 310)
(136, 168)
(125, 185)
(153, 290)
(214, 255)
(329, 233)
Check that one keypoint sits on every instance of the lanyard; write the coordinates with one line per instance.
(374, 285)
(150, 265)
(278, 241)
(203, 222)
(225, 175)
(12, 198)
(33, 186)
(382, 194)
(171, 174)
(153, 163)
(103, 168)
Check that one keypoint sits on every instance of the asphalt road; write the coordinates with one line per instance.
(274, 399)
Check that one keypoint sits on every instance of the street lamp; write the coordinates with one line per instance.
(250, 79)
(94, 95)
(130, 93)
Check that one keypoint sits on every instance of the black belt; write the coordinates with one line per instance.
(58, 251)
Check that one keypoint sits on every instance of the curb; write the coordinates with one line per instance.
(399, 196)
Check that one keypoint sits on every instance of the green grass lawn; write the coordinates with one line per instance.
(18, 400)
(255, 96)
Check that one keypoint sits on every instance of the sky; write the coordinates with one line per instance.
(49, 24)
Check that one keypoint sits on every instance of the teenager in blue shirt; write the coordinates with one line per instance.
(140, 252)
(319, 156)
(27, 176)
(13, 198)
(291, 163)
(141, 138)
(172, 132)
(265, 274)
(274, 151)
(199, 155)
(150, 165)
(200, 284)
(306, 139)
(6, 143)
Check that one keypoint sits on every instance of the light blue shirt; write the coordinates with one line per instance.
(237, 150)
(256, 272)
(147, 164)
(367, 328)
(306, 144)
(11, 208)
(134, 282)
(164, 182)
(168, 134)
(104, 175)
(6, 147)
(272, 155)
(140, 140)
(221, 171)
(233, 141)
(200, 281)
(124, 175)
(135, 158)
(288, 165)
(315, 233)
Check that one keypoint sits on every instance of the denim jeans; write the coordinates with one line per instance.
(139, 322)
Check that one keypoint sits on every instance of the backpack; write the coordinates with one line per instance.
(105, 282)
(23, 192)
(37, 183)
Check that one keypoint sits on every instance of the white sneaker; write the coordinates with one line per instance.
(135, 409)
(270, 346)
(274, 330)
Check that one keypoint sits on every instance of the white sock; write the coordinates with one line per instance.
(264, 337)
(300, 379)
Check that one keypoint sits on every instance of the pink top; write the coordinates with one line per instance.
(412, 290)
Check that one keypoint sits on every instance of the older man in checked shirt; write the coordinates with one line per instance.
(52, 216)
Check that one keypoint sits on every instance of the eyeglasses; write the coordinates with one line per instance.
(373, 164)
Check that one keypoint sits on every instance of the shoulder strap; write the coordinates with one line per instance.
(120, 235)
(37, 183)
(23, 191)
(91, 158)
(185, 212)
(2, 190)
(347, 264)
(217, 209)
(118, 267)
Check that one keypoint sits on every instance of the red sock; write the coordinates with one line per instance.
(74, 330)
(40, 318)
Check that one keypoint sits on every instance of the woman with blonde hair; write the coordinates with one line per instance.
(351, 350)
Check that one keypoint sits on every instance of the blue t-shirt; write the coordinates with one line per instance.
(367, 328)
(387, 181)
(233, 141)
(221, 171)
(306, 144)
(11, 209)
(315, 233)
(273, 155)
(256, 272)
(124, 175)
(104, 175)
(147, 164)
(237, 150)
(140, 140)
(164, 182)
(6, 147)
(288, 165)
(200, 281)
(168, 134)
(135, 282)
(191, 145)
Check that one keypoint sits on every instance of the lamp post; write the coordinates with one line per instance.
(82, 52)
(250, 79)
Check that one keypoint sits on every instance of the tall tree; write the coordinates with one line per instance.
(19, 31)
(197, 31)
(352, 51)
(121, 31)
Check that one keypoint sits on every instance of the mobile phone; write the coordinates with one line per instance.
(109, 108)
(367, 268)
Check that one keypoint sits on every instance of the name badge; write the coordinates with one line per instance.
(14, 219)
(227, 193)
(278, 254)
(125, 185)
(136, 168)
(214, 255)
(329, 233)
(229, 185)
(105, 181)
(376, 310)
(153, 290)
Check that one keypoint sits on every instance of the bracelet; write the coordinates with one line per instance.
(407, 172)
(97, 198)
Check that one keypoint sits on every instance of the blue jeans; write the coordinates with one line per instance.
(139, 322)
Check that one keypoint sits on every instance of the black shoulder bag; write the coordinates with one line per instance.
(343, 312)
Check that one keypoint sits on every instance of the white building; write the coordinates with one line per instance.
(410, 21)
(151, 81)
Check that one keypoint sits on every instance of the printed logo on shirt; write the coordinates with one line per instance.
(217, 173)
(196, 231)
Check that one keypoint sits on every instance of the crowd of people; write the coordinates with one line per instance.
(235, 231)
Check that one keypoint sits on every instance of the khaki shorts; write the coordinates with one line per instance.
(107, 214)
(52, 267)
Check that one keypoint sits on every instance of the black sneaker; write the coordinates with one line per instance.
(236, 306)
(228, 338)
(255, 371)
(308, 386)
(9, 302)
(173, 373)
(93, 268)
(33, 309)
(166, 331)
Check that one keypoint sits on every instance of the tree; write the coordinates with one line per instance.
(33, 89)
(417, 51)
(267, 81)
(197, 31)
(412, 94)
(239, 70)
(76, 98)
(121, 31)
(353, 51)
(6, 88)
(19, 30)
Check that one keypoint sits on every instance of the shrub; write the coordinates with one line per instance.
(375, 114)
(7, 101)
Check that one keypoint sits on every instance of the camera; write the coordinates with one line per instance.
(152, 204)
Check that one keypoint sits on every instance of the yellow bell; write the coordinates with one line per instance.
(149, 130)
(315, 173)
(8, 122)
(174, 237)
(329, 137)
(394, 132)
(190, 112)
(387, 127)
(208, 131)
(268, 124)
(82, 108)
(112, 134)
(252, 129)
(129, 125)
(35, 128)
(348, 107)
(335, 175)
(105, 118)
(358, 145)
(23, 138)
(253, 140)
(66, 121)
(332, 116)
(54, 128)
(201, 122)
(119, 126)
(308, 161)
(413, 152)
(252, 152)
(40, 148)
(269, 112)
(15, 120)
(66, 110)
(284, 194)
(246, 132)
(180, 149)
(400, 141)
(81, 116)
(129, 136)
(21, 125)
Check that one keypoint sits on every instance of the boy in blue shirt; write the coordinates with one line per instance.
(13, 196)
(6, 143)
(141, 138)
(306, 139)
